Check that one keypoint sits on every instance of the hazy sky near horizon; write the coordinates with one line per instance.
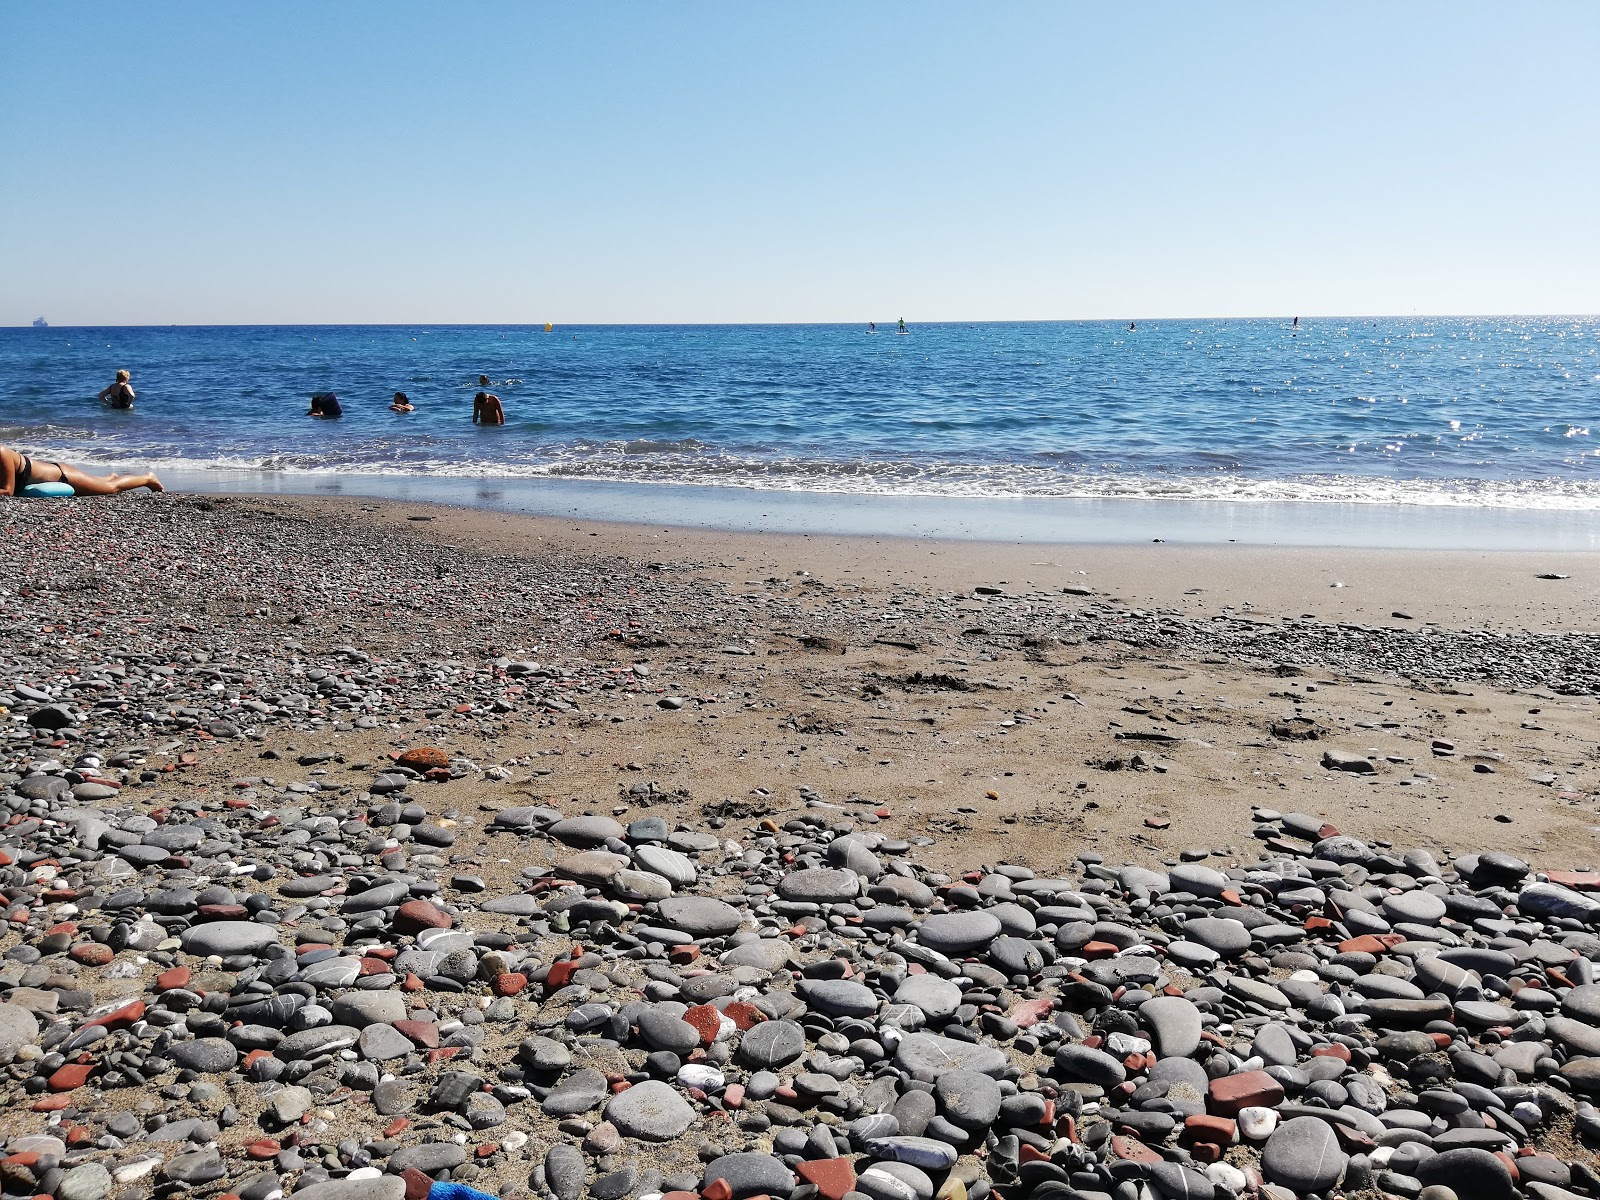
(193, 163)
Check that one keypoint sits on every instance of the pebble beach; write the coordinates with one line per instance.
(354, 846)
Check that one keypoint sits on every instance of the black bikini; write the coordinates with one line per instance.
(25, 476)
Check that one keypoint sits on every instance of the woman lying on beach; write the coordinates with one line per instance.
(119, 394)
(17, 471)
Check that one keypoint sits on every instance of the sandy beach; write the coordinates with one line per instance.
(1002, 712)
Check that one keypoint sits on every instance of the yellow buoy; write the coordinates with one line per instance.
(548, 327)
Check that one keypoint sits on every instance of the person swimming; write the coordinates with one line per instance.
(119, 394)
(402, 404)
(487, 410)
(324, 405)
(17, 471)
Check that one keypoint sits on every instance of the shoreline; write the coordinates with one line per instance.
(1042, 520)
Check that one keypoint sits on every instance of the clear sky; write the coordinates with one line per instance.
(517, 162)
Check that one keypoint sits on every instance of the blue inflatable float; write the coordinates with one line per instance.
(48, 491)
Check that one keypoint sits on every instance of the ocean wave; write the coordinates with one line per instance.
(1007, 481)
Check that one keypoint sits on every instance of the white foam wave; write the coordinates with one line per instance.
(995, 481)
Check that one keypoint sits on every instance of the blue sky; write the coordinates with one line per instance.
(363, 162)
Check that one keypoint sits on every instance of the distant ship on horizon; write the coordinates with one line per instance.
(40, 323)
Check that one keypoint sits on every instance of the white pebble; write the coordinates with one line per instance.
(699, 1075)
(1256, 1123)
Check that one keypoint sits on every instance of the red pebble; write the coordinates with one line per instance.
(1129, 1149)
(509, 984)
(743, 1014)
(717, 1189)
(73, 1075)
(1219, 1131)
(488, 1148)
(368, 965)
(119, 1018)
(398, 1125)
(419, 914)
(733, 1095)
(264, 1149)
(171, 980)
(92, 954)
(421, 1033)
(706, 1021)
(1246, 1089)
(559, 975)
(417, 1184)
(832, 1177)
(413, 982)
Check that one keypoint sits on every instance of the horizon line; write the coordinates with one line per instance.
(538, 325)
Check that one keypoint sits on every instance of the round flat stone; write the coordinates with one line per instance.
(1303, 1154)
(1175, 1024)
(749, 1173)
(1582, 1003)
(820, 886)
(958, 932)
(586, 831)
(653, 1111)
(839, 997)
(772, 1044)
(934, 1054)
(969, 1098)
(227, 938)
(701, 916)
(577, 1092)
(1084, 1064)
(1218, 934)
(937, 998)
(1422, 907)
(1472, 1174)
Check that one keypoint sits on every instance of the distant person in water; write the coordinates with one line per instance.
(872, 327)
(324, 405)
(903, 328)
(1131, 327)
(486, 409)
(119, 394)
(402, 404)
(1296, 324)
(17, 471)
(483, 381)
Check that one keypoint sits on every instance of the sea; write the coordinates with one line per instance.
(1471, 413)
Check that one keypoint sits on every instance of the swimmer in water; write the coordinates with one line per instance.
(483, 381)
(402, 404)
(17, 471)
(1131, 327)
(119, 394)
(486, 409)
(324, 405)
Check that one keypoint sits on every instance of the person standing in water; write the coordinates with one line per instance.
(487, 410)
(402, 404)
(119, 394)
(903, 328)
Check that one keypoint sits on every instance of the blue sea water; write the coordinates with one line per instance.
(1496, 412)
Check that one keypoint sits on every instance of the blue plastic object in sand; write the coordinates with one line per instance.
(48, 491)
